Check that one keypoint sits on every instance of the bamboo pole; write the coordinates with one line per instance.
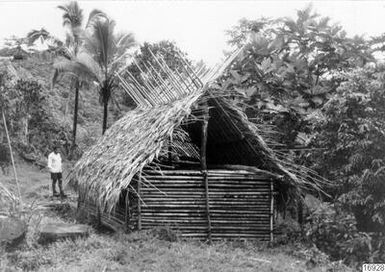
(127, 212)
(126, 88)
(158, 87)
(199, 84)
(166, 89)
(139, 88)
(271, 210)
(135, 90)
(147, 83)
(99, 216)
(204, 170)
(173, 77)
(170, 76)
(12, 159)
(139, 202)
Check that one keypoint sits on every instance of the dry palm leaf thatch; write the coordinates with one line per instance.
(126, 148)
(167, 114)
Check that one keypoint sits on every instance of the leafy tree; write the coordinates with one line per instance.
(103, 54)
(173, 56)
(288, 67)
(353, 135)
(5, 86)
(28, 105)
(16, 43)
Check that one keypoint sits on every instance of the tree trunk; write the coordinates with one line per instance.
(105, 115)
(75, 113)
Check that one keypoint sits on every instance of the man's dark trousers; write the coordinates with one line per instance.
(57, 177)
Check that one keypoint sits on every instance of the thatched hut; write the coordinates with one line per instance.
(195, 164)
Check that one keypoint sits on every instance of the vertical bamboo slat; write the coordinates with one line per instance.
(271, 210)
(139, 202)
(99, 216)
(200, 204)
(127, 212)
(206, 181)
(204, 169)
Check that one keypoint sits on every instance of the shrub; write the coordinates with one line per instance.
(334, 231)
(350, 146)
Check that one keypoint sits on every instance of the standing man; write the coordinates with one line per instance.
(55, 167)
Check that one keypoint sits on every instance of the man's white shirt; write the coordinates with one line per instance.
(54, 163)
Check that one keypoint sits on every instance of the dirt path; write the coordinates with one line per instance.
(35, 183)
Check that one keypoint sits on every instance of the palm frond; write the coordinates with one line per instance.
(88, 60)
(94, 16)
(102, 31)
(122, 43)
(73, 15)
(74, 68)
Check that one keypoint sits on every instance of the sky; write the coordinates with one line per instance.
(197, 27)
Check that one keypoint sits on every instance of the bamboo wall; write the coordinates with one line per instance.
(240, 204)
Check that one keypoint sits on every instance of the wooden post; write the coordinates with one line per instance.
(169, 152)
(127, 212)
(271, 210)
(79, 199)
(12, 159)
(99, 216)
(139, 204)
(75, 121)
(300, 215)
(204, 169)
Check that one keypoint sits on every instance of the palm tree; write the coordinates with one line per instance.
(102, 55)
(72, 20)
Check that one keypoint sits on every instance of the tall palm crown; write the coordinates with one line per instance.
(72, 16)
(72, 20)
(102, 54)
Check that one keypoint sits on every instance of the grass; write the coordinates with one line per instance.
(141, 251)
(144, 252)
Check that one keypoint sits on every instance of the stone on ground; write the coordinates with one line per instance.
(56, 231)
(12, 231)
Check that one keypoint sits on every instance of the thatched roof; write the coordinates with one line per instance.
(143, 136)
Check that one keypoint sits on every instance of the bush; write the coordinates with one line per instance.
(334, 231)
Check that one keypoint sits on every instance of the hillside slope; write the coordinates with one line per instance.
(59, 101)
